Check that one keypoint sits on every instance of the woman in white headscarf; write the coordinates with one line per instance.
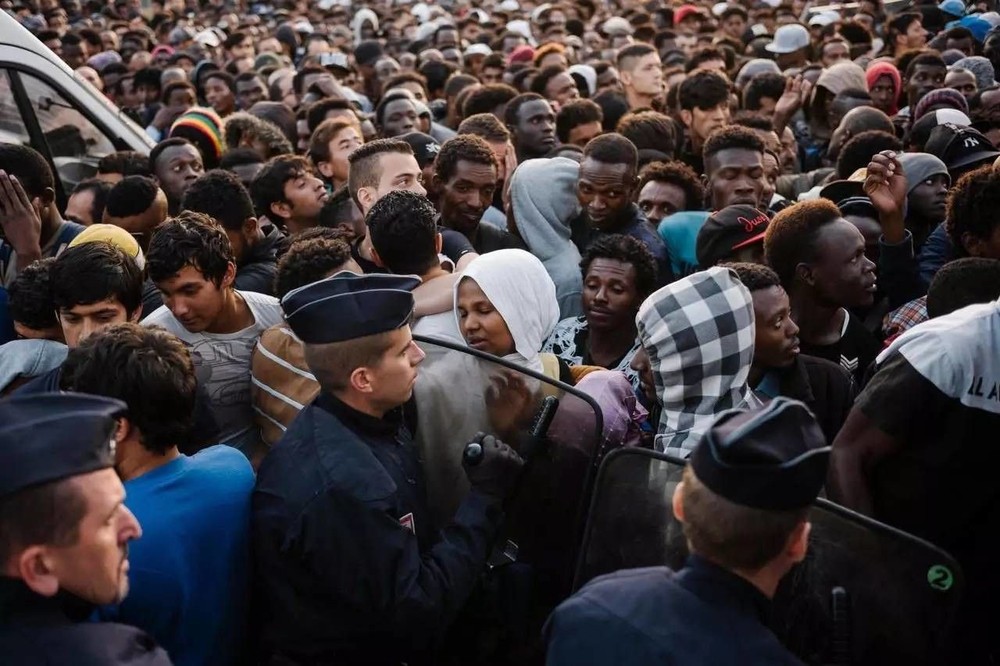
(506, 306)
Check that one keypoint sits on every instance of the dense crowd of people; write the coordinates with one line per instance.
(760, 237)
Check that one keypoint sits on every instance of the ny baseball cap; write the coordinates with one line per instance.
(960, 147)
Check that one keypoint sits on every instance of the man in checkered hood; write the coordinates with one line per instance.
(699, 335)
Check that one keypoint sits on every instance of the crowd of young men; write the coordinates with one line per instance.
(746, 206)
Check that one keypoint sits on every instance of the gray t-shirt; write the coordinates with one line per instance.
(226, 357)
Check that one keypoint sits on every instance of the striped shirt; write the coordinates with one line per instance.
(281, 384)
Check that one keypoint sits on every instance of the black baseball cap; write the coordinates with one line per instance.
(960, 148)
(425, 147)
(728, 230)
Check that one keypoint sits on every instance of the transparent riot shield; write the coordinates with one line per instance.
(866, 594)
(460, 392)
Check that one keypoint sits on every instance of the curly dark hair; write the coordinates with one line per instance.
(575, 113)
(972, 206)
(403, 231)
(398, 80)
(791, 236)
(541, 80)
(467, 147)
(30, 168)
(765, 84)
(189, 239)
(675, 173)
(318, 110)
(126, 162)
(857, 153)
(132, 195)
(649, 130)
(754, 277)
(94, 272)
(754, 121)
(703, 55)
(30, 296)
(732, 136)
(132, 362)
(241, 127)
(268, 187)
(220, 195)
(627, 250)
(313, 255)
(703, 90)
(487, 98)
(613, 105)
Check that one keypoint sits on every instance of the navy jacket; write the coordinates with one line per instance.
(348, 570)
(53, 630)
(905, 274)
(700, 616)
(636, 225)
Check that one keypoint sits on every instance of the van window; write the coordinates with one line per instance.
(75, 143)
(12, 127)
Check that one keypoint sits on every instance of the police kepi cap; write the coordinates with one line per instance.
(51, 436)
(772, 458)
(348, 306)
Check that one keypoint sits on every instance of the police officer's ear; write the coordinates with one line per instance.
(361, 380)
(36, 567)
(798, 542)
(678, 502)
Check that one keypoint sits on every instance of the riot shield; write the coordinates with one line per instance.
(866, 594)
(460, 392)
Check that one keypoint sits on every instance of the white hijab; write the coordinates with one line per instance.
(521, 290)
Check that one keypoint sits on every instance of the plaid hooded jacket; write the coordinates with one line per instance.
(699, 334)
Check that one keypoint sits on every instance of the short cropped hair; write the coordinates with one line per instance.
(963, 282)
(365, 168)
(485, 125)
(45, 514)
(220, 195)
(332, 364)
(131, 362)
(189, 239)
(734, 536)
(791, 236)
(99, 189)
(467, 147)
(732, 136)
(629, 54)
(755, 277)
(613, 149)
(649, 130)
(403, 232)
(487, 98)
(132, 195)
(627, 250)
(312, 256)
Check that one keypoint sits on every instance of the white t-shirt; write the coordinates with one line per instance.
(226, 356)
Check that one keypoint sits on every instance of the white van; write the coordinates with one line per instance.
(45, 105)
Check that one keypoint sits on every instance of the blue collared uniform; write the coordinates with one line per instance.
(347, 569)
(702, 615)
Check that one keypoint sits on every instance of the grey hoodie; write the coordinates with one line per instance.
(543, 196)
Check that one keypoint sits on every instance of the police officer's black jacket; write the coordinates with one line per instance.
(347, 568)
(702, 615)
(53, 630)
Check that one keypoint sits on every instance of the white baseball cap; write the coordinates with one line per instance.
(789, 38)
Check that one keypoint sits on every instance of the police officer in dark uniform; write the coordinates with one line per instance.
(348, 570)
(743, 502)
(64, 534)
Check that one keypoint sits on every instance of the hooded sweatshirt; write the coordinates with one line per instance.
(877, 70)
(541, 194)
(699, 334)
